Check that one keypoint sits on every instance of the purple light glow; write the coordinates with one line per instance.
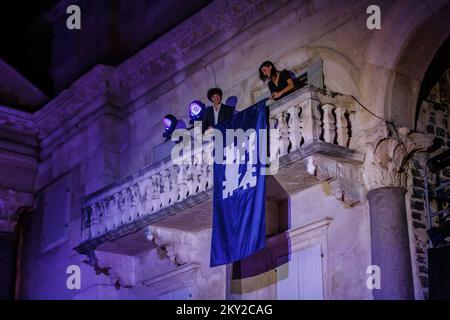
(167, 123)
(195, 109)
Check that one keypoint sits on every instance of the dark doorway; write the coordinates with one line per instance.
(439, 275)
(8, 247)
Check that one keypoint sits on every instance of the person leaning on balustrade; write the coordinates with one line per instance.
(281, 83)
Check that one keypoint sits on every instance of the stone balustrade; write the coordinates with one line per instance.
(144, 197)
(303, 118)
(308, 116)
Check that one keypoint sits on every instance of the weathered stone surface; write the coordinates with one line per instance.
(388, 229)
(166, 187)
(10, 203)
(104, 129)
(386, 157)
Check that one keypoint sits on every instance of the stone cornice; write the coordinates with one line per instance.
(13, 83)
(221, 18)
(188, 270)
(174, 48)
(16, 120)
(93, 86)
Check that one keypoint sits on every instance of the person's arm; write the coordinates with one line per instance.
(289, 87)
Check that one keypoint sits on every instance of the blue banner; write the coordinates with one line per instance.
(239, 225)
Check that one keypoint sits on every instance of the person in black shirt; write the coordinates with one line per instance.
(218, 113)
(280, 83)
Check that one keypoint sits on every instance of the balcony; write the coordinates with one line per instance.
(312, 144)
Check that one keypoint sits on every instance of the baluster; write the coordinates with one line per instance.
(205, 167)
(342, 127)
(209, 177)
(147, 203)
(107, 222)
(136, 199)
(295, 134)
(165, 188)
(123, 206)
(174, 186)
(190, 181)
(142, 196)
(156, 193)
(108, 219)
(86, 226)
(196, 174)
(310, 121)
(95, 219)
(204, 177)
(105, 215)
(329, 129)
(284, 132)
(132, 210)
(182, 182)
(115, 209)
(207, 155)
(274, 139)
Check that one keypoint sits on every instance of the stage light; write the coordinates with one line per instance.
(196, 110)
(170, 123)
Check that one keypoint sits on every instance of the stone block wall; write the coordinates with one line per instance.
(433, 119)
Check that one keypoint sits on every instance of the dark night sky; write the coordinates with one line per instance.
(27, 39)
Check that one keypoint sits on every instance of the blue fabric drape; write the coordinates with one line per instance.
(239, 226)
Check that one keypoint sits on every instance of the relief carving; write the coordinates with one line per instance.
(388, 154)
(181, 246)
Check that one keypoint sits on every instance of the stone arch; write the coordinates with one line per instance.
(437, 70)
(399, 56)
(432, 119)
(340, 73)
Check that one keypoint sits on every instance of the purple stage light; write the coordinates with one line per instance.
(170, 123)
(196, 109)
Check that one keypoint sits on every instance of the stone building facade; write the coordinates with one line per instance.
(87, 179)
(433, 119)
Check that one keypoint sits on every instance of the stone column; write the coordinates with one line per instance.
(390, 243)
(384, 167)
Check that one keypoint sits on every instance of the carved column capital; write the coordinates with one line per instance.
(388, 153)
